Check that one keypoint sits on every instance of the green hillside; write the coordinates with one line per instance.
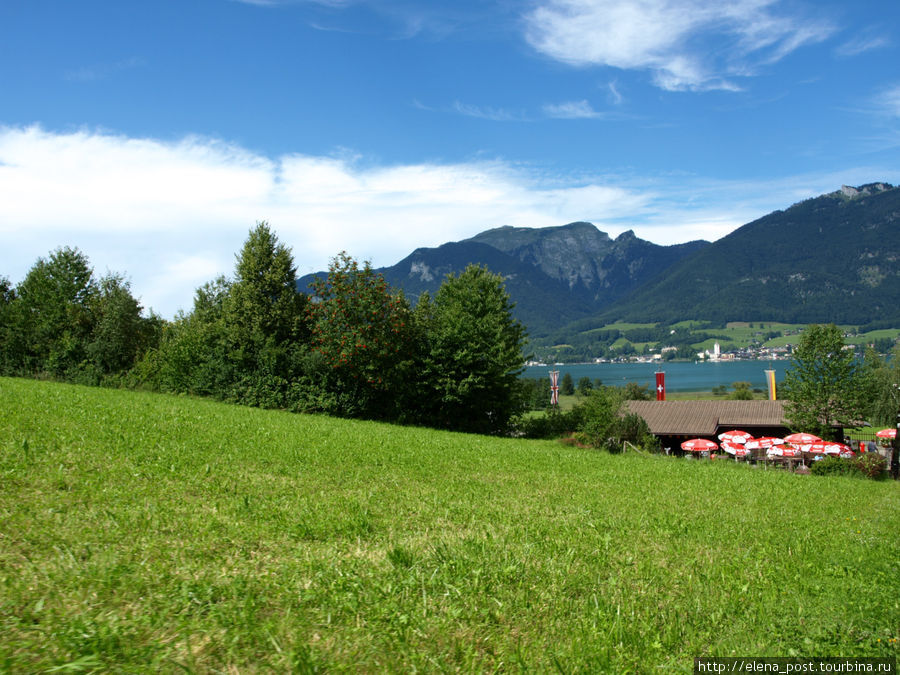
(828, 259)
(145, 532)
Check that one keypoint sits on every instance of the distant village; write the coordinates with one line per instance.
(755, 353)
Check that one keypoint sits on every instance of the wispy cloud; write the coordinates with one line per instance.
(396, 19)
(572, 110)
(488, 113)
(685, 44)
(101, 71)
(887, 102)
(278, 3)
(172, 214)
(866, 41)
(614, 96)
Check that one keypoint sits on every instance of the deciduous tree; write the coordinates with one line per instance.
(474, 354)
(364, 334)
(119, 333)
(823, 383)
(54, 312)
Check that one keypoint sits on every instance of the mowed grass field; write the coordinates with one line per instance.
(142, 532)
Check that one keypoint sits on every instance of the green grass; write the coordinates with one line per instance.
(141, 532)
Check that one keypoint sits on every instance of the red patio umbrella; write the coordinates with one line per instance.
(735, 436)
(817, 448)
(839, 449)
(802, 439)
(887, 433)
(764, 442)
(737, 450)
(699, 445)
(789, 451)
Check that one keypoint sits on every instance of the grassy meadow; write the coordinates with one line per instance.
(142, 532)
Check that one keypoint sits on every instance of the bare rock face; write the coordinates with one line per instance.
(863, 190)
(586, 259)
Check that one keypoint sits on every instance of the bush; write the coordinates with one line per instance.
(551, 425)
(834, 466)
(870, 464)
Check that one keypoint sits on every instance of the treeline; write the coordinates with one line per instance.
(353, 348)
(62, 322)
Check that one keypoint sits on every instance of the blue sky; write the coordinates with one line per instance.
(153, 135)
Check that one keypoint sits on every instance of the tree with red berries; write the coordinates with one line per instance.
(364, 334)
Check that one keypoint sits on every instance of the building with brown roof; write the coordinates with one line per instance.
(675, 421)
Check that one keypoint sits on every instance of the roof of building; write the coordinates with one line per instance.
(704, 418)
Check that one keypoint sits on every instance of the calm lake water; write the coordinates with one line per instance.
(680, 376)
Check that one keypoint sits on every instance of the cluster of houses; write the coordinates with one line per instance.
(715, 354)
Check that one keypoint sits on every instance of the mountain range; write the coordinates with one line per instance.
(833, 258)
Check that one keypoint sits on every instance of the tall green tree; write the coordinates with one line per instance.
(823, 384)
(193, 351)
(585, 386)
(264, 312)
(567, 385)
(54, 312)
(882, 377)
(10, 338)
(363, 334)
(120, 333)
(473, 356)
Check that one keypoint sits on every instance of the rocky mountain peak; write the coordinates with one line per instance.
(850, 192)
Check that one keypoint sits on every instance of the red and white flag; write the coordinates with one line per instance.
(554, 387)
(660, 386)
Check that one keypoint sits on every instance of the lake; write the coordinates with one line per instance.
(680, 375)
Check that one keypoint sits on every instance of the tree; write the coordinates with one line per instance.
(119, 334)
(364, 334)
(585, 385)
(603, 421)
(263, 310)
(567, 385)
(473, 354)
(53, 312)
(741, 392)
(599, 415)
(10, 335)
(193, 355)
(883, 379)
(823, 384)
(636, 392)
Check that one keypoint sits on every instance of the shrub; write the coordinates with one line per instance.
(552, 425)
(834, 466)
(870, 464)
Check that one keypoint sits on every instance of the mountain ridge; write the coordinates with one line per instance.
(556, 274)
(831, 258)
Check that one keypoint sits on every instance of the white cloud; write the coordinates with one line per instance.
(488, 113)
(572, 110)
(172, 215)
(278, 3)
(103, 70)
(888, 101)
(614, 96)
(685, 44)
(865, 41)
